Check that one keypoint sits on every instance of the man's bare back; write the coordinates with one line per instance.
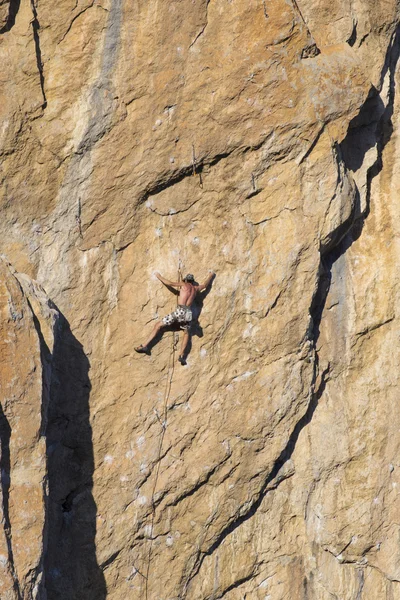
(187, 294)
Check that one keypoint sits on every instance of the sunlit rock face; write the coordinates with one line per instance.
(256, 138)
(28, 324)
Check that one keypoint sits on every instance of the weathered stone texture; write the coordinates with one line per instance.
(27, 321)
(254, 137)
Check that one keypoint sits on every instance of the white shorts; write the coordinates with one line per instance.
(182, 315)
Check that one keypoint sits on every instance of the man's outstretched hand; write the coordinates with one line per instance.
(167, 282)
(203, 286)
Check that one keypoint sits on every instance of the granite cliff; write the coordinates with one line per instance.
(258, 138)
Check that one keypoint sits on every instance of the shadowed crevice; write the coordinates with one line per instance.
(352, 151)
(234, 586)
(269, 483)
(372, 127)
(5, 471)
(45, 360)
(12, 15)
(203, 28)
(351, 40)
(39, 61)
(70, 563)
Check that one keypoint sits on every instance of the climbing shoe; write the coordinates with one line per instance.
(142, 350)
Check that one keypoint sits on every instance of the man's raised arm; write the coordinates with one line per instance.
(207, 282)
(167, 282)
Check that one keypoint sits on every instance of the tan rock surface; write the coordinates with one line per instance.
(24, 377)
(256, 138)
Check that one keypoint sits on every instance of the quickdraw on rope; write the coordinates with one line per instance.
(194, 172)
(163, 423)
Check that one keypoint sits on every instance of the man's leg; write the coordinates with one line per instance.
(185, 341)
(144, 347)
(154, 333)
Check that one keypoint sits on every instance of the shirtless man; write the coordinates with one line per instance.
(182, 314)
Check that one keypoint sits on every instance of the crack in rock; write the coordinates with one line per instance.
(39, 61)
(282, 459)
(203, 28)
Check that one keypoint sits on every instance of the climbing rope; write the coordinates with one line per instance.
(163, 423)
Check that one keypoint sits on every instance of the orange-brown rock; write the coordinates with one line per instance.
(257, 138)
(27, 325)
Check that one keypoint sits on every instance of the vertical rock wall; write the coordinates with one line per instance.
(254, 137)
(27, 327)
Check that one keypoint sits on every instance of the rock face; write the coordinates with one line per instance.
(254, 137)
(27, 326)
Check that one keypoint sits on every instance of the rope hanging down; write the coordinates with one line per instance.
(163, 423)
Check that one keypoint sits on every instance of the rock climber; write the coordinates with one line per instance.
(182, 315)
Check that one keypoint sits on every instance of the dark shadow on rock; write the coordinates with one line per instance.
(159, 336)
(195, 330)
(70, 565)
(372, 127)
(175, 328)
(353, 148)
(5, 481)
(12, 14)
(362, 132)
(39, 61)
